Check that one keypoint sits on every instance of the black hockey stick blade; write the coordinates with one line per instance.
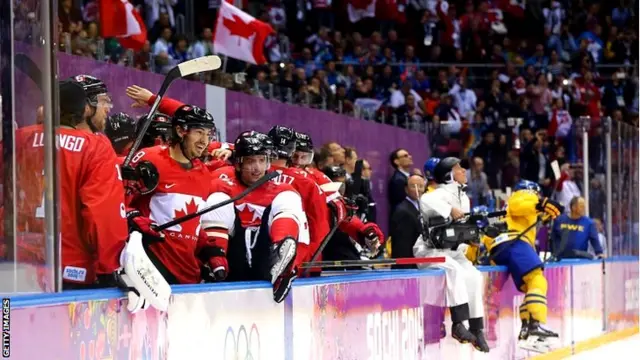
(29, 67)
(201, 64)
(246, 192)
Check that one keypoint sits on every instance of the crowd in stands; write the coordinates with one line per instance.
(502, 83)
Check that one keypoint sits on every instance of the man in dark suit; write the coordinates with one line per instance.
(404, 227)
(402, 161)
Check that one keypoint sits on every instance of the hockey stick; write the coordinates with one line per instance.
(359, 263)
(246, 192)
(29, 67)
(323, 244)
(202, 64)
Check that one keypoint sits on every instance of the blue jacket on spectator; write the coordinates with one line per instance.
(582, 231)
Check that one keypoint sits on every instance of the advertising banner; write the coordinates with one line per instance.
(383, 319)
(366, 316)
(116, 77)
(226, 325)
(372, 141)
(587, 300)
(621, 293)
(87, 330)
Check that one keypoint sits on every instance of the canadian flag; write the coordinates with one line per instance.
(360, 9)
(239, 35)
(119, 19)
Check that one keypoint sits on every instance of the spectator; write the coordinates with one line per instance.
(159, 9)
(322, 158)
(491, 154)
(204, 45)
(401, 161)
(582, 231)
(404, 227)
(161, 51)
(159, 25)
(351, 156)
(337, 153)
(398, 97)
(409, 113)
(567, 188)
(70, 17)
(534, 163)
(477, 186)
(511, 170)
(601, 237)
(179, 50)
(597, 200)
(614, 94)
(464, 99)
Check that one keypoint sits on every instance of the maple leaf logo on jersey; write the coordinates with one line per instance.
(250, 214)
(189, 227)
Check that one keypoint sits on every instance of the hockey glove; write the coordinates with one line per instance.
(373, 237)
(144, 225)
(338, 209)
(549, 207)
(216, 266)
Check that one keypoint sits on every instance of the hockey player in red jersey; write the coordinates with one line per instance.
(159, 131)
(313, 198)
(93, 222)
(121, 131)
(261, 229)
(216, 154)
(367, 234)
(183, 184)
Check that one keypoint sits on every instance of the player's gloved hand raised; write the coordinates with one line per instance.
(373, 237)
(144, 225)
(551, 208)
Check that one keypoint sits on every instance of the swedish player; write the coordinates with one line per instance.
(515, 249)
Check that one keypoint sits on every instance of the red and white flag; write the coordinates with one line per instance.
(239, 35)
(119, 19)
(360, 9)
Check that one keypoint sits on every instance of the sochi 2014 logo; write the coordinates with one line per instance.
(242, 343)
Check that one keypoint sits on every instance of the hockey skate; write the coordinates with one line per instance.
(460, 333)
(282, 272)
(538, 339)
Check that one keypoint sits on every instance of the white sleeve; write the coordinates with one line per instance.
(223, 217)
(397, 99)
(288, 205)
(432, 204)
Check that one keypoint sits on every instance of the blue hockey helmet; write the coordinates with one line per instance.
(528, 185)
(429, 167)
(481, 209)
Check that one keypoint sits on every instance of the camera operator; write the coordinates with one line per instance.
(358, 189)
(465, 283)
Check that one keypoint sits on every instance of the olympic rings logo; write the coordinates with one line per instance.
(242, 345)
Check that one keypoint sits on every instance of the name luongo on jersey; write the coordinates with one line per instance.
(64, 141)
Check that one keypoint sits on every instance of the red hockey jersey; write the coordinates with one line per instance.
(93, 219)
(313, 204)
(179, 192)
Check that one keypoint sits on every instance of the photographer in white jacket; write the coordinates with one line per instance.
(464, 282)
